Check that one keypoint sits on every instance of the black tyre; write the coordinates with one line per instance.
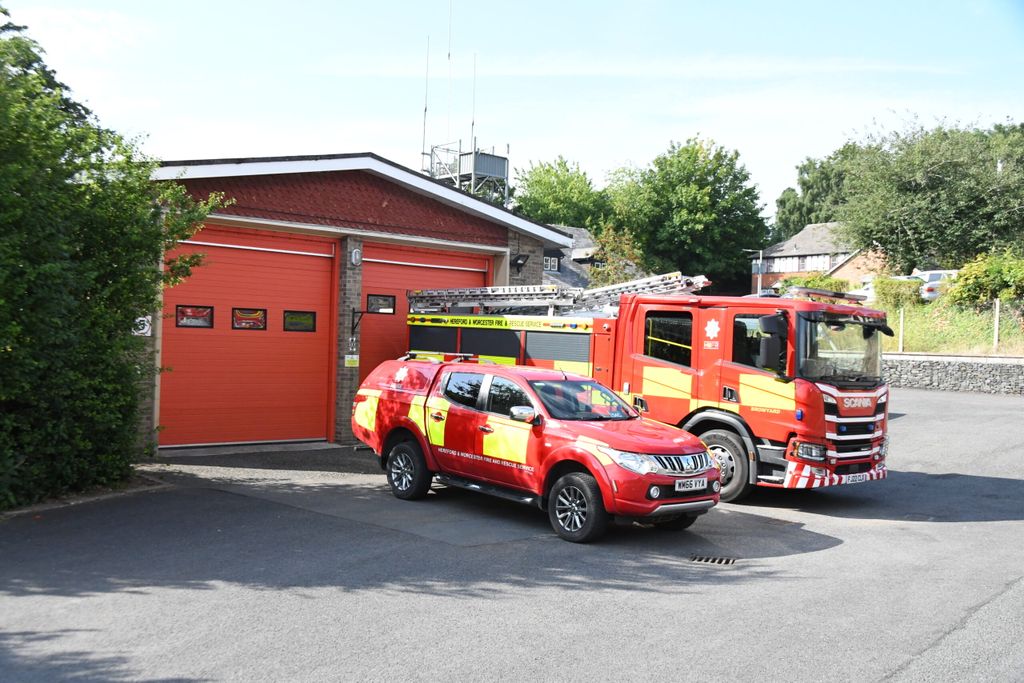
(407, 471)
(728, 450)
(675, 523)
(575, 508)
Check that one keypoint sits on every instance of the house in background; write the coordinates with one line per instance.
(570, 266)
(818, 248)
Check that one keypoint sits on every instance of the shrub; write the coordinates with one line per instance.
(815, 281)
(895, 294)
(988, 277)
(82, 229)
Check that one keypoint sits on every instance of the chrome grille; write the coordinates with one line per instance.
(684, 464)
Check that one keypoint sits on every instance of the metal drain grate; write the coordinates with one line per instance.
(707, 559)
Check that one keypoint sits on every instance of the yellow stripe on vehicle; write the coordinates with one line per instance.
(667, 383)
(761, 391)
(574, 366)
(366, 410)
(509, 440)
(435, 428)
(416, 409)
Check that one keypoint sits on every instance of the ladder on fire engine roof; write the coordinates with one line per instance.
(552, 296)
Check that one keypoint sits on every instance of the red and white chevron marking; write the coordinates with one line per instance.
(801, 476)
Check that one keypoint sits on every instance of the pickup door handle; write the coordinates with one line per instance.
(437, 417)
(485, 428)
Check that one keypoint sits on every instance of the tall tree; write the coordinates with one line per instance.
(693, 209)
(821, 193)
(937, 197)
(559, 193)
(618, 257)
(82, 230)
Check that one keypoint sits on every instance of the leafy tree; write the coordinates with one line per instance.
(559, 193)
(822, 192)
(618, 257)
(82, 230)
(937, 197)
(693, 209)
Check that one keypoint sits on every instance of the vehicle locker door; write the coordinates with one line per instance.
(453, 421)
(511, 449)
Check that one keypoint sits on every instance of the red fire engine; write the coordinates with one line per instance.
(786, 392)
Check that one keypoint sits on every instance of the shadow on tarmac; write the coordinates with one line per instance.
(18, 663)
(199, 535)
(905, 496)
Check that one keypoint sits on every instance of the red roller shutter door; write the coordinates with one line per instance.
(228, 385)
(390, 271)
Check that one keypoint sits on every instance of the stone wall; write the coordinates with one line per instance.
(533, 272)
(955, 373)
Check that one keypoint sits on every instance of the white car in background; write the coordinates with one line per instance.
(935, 282)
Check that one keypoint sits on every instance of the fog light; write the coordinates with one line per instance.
(878, 456)
(655, 492)
(819, 471)
(832, 461)
(716, 487)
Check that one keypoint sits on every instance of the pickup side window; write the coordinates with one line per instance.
(668, 335)
(504, 395)
(464, 388)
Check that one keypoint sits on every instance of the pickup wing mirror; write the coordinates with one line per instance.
(525, 414)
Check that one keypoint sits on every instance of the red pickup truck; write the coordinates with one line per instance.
(558, 441)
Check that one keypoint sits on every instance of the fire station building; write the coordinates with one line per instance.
(302, 289)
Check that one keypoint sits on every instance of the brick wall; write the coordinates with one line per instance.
(351, 199)
(350, 294)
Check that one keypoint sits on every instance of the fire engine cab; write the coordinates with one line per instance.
(786, 392)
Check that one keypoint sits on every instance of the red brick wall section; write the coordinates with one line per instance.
(351, 199)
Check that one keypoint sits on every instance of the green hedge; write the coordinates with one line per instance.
(815, 281)
(82, 230)
(896, 294)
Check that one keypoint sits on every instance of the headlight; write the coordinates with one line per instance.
(884, 398)
(884, 450)
(634, 462)
(828, 399)
(810, 451)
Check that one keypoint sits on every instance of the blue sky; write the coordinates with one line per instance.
(602, 84)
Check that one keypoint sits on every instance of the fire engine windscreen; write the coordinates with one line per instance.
(841, 349)
(581, 400)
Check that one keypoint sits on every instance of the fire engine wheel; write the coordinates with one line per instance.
(575, 508)
(727, 449)
(675, 523)
(407, 471)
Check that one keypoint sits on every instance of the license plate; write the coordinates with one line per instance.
(856, 478)
(691, 484)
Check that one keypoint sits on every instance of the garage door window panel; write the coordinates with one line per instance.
(300, 321)
(248, 318)
(193, 316)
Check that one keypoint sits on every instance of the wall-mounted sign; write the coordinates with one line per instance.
(351, 361)
(193, 316)
(143, 326)
(300, 321)
(248, 318)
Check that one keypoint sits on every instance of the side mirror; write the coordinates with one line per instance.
(776, 325)
(770, 352)
(525, 414)
(640, 404)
